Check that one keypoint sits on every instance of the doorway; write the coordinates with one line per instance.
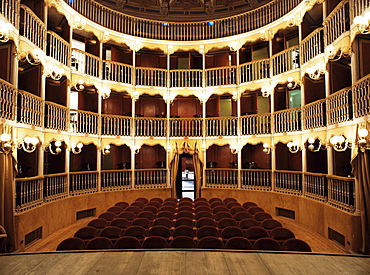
(185, 180)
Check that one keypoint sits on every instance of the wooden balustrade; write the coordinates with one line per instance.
(177, 31)
(58, 48)
(55, 187)
(56, 116)
(117, 72)
(151, 77)
(255, 70)
(32, 27)
(31, 109)
(316, 186)
(313, 114)
(186, 127)
(221, 76)
(84, 122)
(113, 125)
(150, 127)
(28, 193)
(150, 178)
(287, 120)
(256, 179)
(285, 60)
(289, 182)
(312, 45)
(86, 63)
(113, 180)
(341, 193)
(358, 7)
(258, 124)
(222, 178)
(225, 126)
(83, 182)
(185, 78)
(8, 100)
(361, 97)
(337, 22)
(339, 107)
(10, 10)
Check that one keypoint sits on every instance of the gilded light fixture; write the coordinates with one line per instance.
(363, 23)
(5, 30)
(363, 144)
(292, 84)
(266, 148)
(6, 145)
(106, 149)
(54, 149)
(316, 71)
(340, 143)
(293, 147)
(29, 144)
(313, 147)
(76, 148)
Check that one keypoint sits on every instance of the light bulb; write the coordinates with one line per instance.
(57, 143)
(79, 145)
(5, 137)
(311, 140)
(34, 140)
(363, 132)
(27, 140)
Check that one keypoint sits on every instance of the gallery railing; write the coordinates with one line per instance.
(256, 179)
(31, 109)
(339, 107)
(222, 178)
(8, 100)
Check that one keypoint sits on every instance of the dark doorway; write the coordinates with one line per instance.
(185, 180)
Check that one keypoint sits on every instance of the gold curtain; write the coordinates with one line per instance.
(188, 148)
(7, 176)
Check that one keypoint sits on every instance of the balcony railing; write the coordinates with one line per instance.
(86, 63)
(28, 193)
(113, 125)
(313, 115)
(256, 179)
(312, 45)
(316, 186)
(151, 77)
(32, 27)
(114, 180)
(337, 22)
(84, 122)
(341, 193)
(83, 183)
(56, 116)
(358, 7)
(55, 187)
(361, 97)
(287, 120)
(217, 127)
(8, 100)
(255, 70)
(30, 109)
(289, 182)
(150, 178)
(222, 178)
(259, 124)
(220, 76)
(339, 107)
(185, 78)
(186, 127)
(10, 10)
(58, 48)
(285, 60)
(151, 127)
(146, 28)
(117, 72)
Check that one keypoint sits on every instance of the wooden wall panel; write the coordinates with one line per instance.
(56, 91)
(149, 156)
(27, 163)
(5, 57)
(150, 107)
(222, 155)
(364, 56)
(186, 107)
(88, 101)
(30, 80)
(313, 90)
(317, 162)
(54, 164)
(340, 76)
(85, 161)
(254, 153)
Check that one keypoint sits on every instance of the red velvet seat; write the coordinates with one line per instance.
(219, 209)
(134, 209)
(225, 222)
(111, 232)
(211, 200)
(165, 214)
(227, 200)
(144, 222)
(296, 245)
(184, 221)
(185, 214)
(242, 215)
(206, 231)
(205, 221)
(143, 200)
(73, 243)
(202, 208)
(127, 242)
(171, 199)
(120, 223)
(236, 209)
(255, 209)
(150, 208)
(281, 234)
(261, 216)
(248, 204)
(99, 243)
(155, 204)
(231, 231)
(107, 216)
(183, 230)
(200, 199)
(247, 223)
(266, 243)
(115, 209)
(222, 215)
(98, 223)
(122, 204)
(216, 203)
(157, 199)
(159, 230)
(138, 204)
(185, 208)
(86, 233)
(130, 216)
(182, 242)
(146, 214)
(167, 208)
(203, 214)
(254, 233)
(234, 204)
(210, 243)
(136, 231)
(155, 242)
(163, 221)
(270, 224)
(170, 203)
(241, 243)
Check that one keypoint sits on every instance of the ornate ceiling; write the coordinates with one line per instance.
(183, 10)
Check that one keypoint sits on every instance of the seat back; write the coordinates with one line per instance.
(163, 221)
(239, 243)
(144, 222)
(242, 215)
(73, 243)
(115, 209)
(159, 230)
(108, 216)
(98, 223)
(225, 222)
(184, 221)
(210, 243)
(231, 231)
(247, 223)
(127, 242)
(206, 231)
(266, 243)
(270, 224)
(182, 242)
(99, 243)
(183, 230)
(120, 223)
(296, 245)
(205, 221)
(155, 242)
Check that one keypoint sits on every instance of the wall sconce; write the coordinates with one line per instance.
(363, 23)
(76, 148)
(234, 148)
(266, 91)
(333, 56)
(169, 149)
(136, 149)
(57, 150)
(363, 144)
(105, 92)
(5, 30)
(311, 145)
(29, 144)
(54, 72)
(266, 148)
(79, 86)
(78, 23)
(34, 59)
(135, 96)
(6, 145)
(293, 147)
(235, 96)
(316, 71)
(106, 150)
(340, 143)
(292, 84)
(104, 37)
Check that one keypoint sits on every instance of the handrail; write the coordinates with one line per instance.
(312, 45)
(36, 31)
(8, 100)
(336, 23)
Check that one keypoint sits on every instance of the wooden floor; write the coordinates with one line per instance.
(187, 262)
